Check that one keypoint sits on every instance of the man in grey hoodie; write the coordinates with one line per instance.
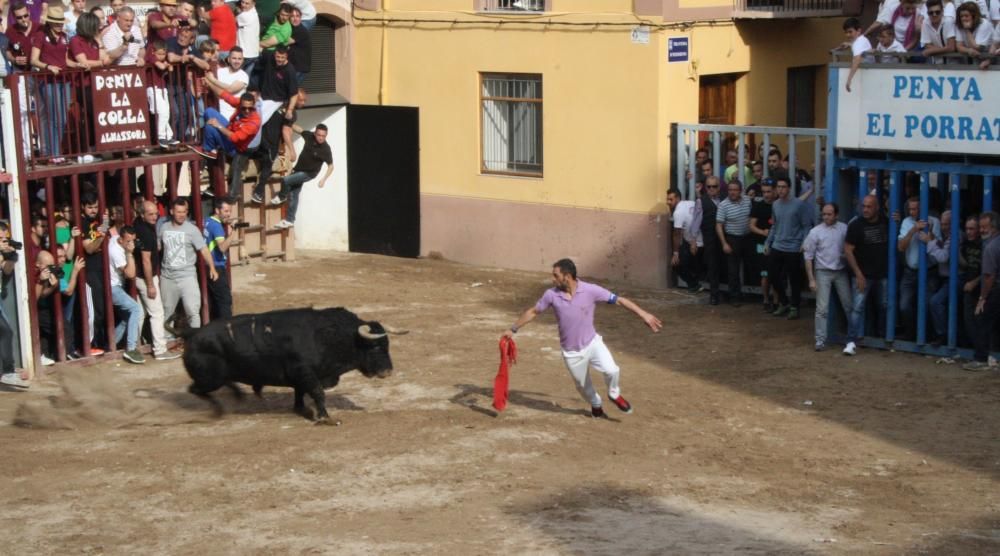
(181, 240)
(792, 221)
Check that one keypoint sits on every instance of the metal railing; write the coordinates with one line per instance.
(60, 119)
(774, 9)
(804, 147)
(913, 59)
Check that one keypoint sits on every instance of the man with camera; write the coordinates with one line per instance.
(123, 40)
(121, 257)
(8, 251)
(47, 282)
(218, 230)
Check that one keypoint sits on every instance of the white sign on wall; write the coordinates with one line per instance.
(923, 109)
(640, 35)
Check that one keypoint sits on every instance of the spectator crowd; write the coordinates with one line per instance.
(764, 234)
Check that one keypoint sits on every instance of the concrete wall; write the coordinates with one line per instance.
(321, 221)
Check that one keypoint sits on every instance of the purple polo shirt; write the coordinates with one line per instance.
(575, 316)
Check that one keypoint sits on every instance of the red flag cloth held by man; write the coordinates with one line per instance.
(508, 356)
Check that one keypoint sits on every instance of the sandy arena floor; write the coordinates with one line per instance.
(742, 441)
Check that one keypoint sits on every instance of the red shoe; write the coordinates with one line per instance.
(622, 404)
(96, 351)
(597, 413)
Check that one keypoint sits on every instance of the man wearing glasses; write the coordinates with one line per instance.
(232, 136)
(19, 54)
(937, 36)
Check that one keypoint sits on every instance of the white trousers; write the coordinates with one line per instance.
(159, 104)
(154, 308)
(595, 355)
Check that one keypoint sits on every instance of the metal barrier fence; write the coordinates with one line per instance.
(717, 139)
(56, 112)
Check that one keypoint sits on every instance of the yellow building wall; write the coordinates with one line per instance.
(608, 103)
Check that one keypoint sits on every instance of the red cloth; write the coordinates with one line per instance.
(508, 356)
(222, 23)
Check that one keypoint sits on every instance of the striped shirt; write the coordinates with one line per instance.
(735, 217)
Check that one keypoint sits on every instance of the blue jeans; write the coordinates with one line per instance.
(908, 288)
(291, 186)
(55, 99)
(183, 111)
(938, 308)
(826, 282)
(856, 323)
(212, 138)
(124, 302)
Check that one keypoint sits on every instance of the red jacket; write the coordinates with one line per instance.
(243, 128)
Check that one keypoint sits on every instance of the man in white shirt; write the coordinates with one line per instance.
(938, 33)
(825, 267)
(686, 246)
(248, 34)
(231, 78)
(123, 40)
(122, 261)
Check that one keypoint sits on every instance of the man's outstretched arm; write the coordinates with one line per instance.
(651, 321)
(526, 317)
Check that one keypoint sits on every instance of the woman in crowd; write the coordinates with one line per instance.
(49, 55)
(973, 33)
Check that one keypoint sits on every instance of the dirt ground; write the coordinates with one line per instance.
(743, 440)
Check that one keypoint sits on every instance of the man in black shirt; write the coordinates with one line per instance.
(95, 231)
(867, 251)
(713, 247)
(760, 225)
(277, 85)
(970, 262)
(300, 48)
(147, 278)
(314, 153)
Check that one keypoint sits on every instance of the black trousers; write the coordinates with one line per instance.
(785, 266)
(983, 332)
(689, 266)
(220, 296)
(713, 261)
(95, 279)
(739, 257)
(6, 346)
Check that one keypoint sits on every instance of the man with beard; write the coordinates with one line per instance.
(573, 302)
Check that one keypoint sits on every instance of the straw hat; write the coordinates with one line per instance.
(168, 2)
(54, 15)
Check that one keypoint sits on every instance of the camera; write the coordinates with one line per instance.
(239, 225)
(15, 244)
(56, 271)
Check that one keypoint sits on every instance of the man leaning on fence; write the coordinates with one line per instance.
(987, 309)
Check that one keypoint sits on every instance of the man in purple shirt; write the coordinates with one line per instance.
(582, 347)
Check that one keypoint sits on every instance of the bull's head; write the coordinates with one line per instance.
(374, 344)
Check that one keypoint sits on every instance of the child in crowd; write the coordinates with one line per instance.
(887, 43)
(159, 103)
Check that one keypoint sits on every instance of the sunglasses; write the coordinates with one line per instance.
(25, 16)
(712, 186)
(934, 12)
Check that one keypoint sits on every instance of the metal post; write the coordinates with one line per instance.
(109, 307)
(692, 138)
(817, 171)
(716, 153)
(58, 328)
(679, 161)
(890, 310)
(956, 242)
(922, 263)
(81, 281)
(767, 152)
(791, 166)
(199, 221)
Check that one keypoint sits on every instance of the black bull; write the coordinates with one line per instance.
(306, 349)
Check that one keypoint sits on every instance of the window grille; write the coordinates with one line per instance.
(512, 124)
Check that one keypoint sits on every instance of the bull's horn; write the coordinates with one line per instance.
(366, 332)
(392, 330)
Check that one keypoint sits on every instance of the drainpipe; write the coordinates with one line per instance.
(383, 88)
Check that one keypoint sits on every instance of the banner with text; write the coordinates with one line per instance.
(922, 109)
(121, 109)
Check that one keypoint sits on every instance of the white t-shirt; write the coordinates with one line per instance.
(929, 36)
(889, 7)
(896, 46)
(860, 46)
(901, 25)
(683, 215)
(117, 261)
(949, 12)
(227, 77)
(983, 35)
(248, 33)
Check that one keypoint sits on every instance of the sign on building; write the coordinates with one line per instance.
(922, 109)
(121, 109)
(678, 49)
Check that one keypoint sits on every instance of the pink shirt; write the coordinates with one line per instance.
(575, 316)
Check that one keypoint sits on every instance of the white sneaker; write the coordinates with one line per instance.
(47, 361)
(991, 361)
(284, 224)
(14, 379)
(850, 348)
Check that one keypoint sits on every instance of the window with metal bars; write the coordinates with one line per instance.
(512, 123)
(513, 6)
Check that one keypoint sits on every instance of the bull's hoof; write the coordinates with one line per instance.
(304, 411)
(327, 421)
